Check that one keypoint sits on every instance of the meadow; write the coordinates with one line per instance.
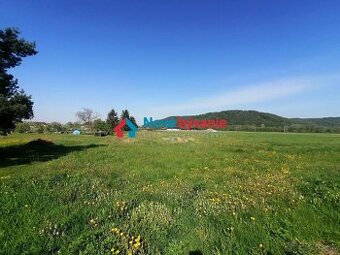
(170, 193)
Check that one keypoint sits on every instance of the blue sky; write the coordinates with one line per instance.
(160, 58)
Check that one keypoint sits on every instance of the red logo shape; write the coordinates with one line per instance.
(119, 128)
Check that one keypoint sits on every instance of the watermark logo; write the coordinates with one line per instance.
(171, 123)
(119, 128)
(186, 123)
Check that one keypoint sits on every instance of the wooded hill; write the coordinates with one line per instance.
(262, 121)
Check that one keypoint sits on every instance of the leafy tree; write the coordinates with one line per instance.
(40, 128)
(112, 119)
(100, 125)
(71, 126)
(55, 127)
(23, 127)
(15, 105)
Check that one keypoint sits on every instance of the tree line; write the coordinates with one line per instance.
(88, 121)
(91, 121)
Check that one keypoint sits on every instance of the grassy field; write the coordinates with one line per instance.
(170, 193)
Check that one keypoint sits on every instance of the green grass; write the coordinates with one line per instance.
(181, 192)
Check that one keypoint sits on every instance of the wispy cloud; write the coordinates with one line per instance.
(243, 96)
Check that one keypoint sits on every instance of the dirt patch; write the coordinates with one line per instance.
(40, 142)
(326, 249)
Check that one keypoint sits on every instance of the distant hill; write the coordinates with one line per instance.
(238, 117)
(255, 120)
(325, 122)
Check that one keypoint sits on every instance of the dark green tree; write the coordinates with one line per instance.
(112, 119)
(125, 114)
(133, 120)
(15, 105)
